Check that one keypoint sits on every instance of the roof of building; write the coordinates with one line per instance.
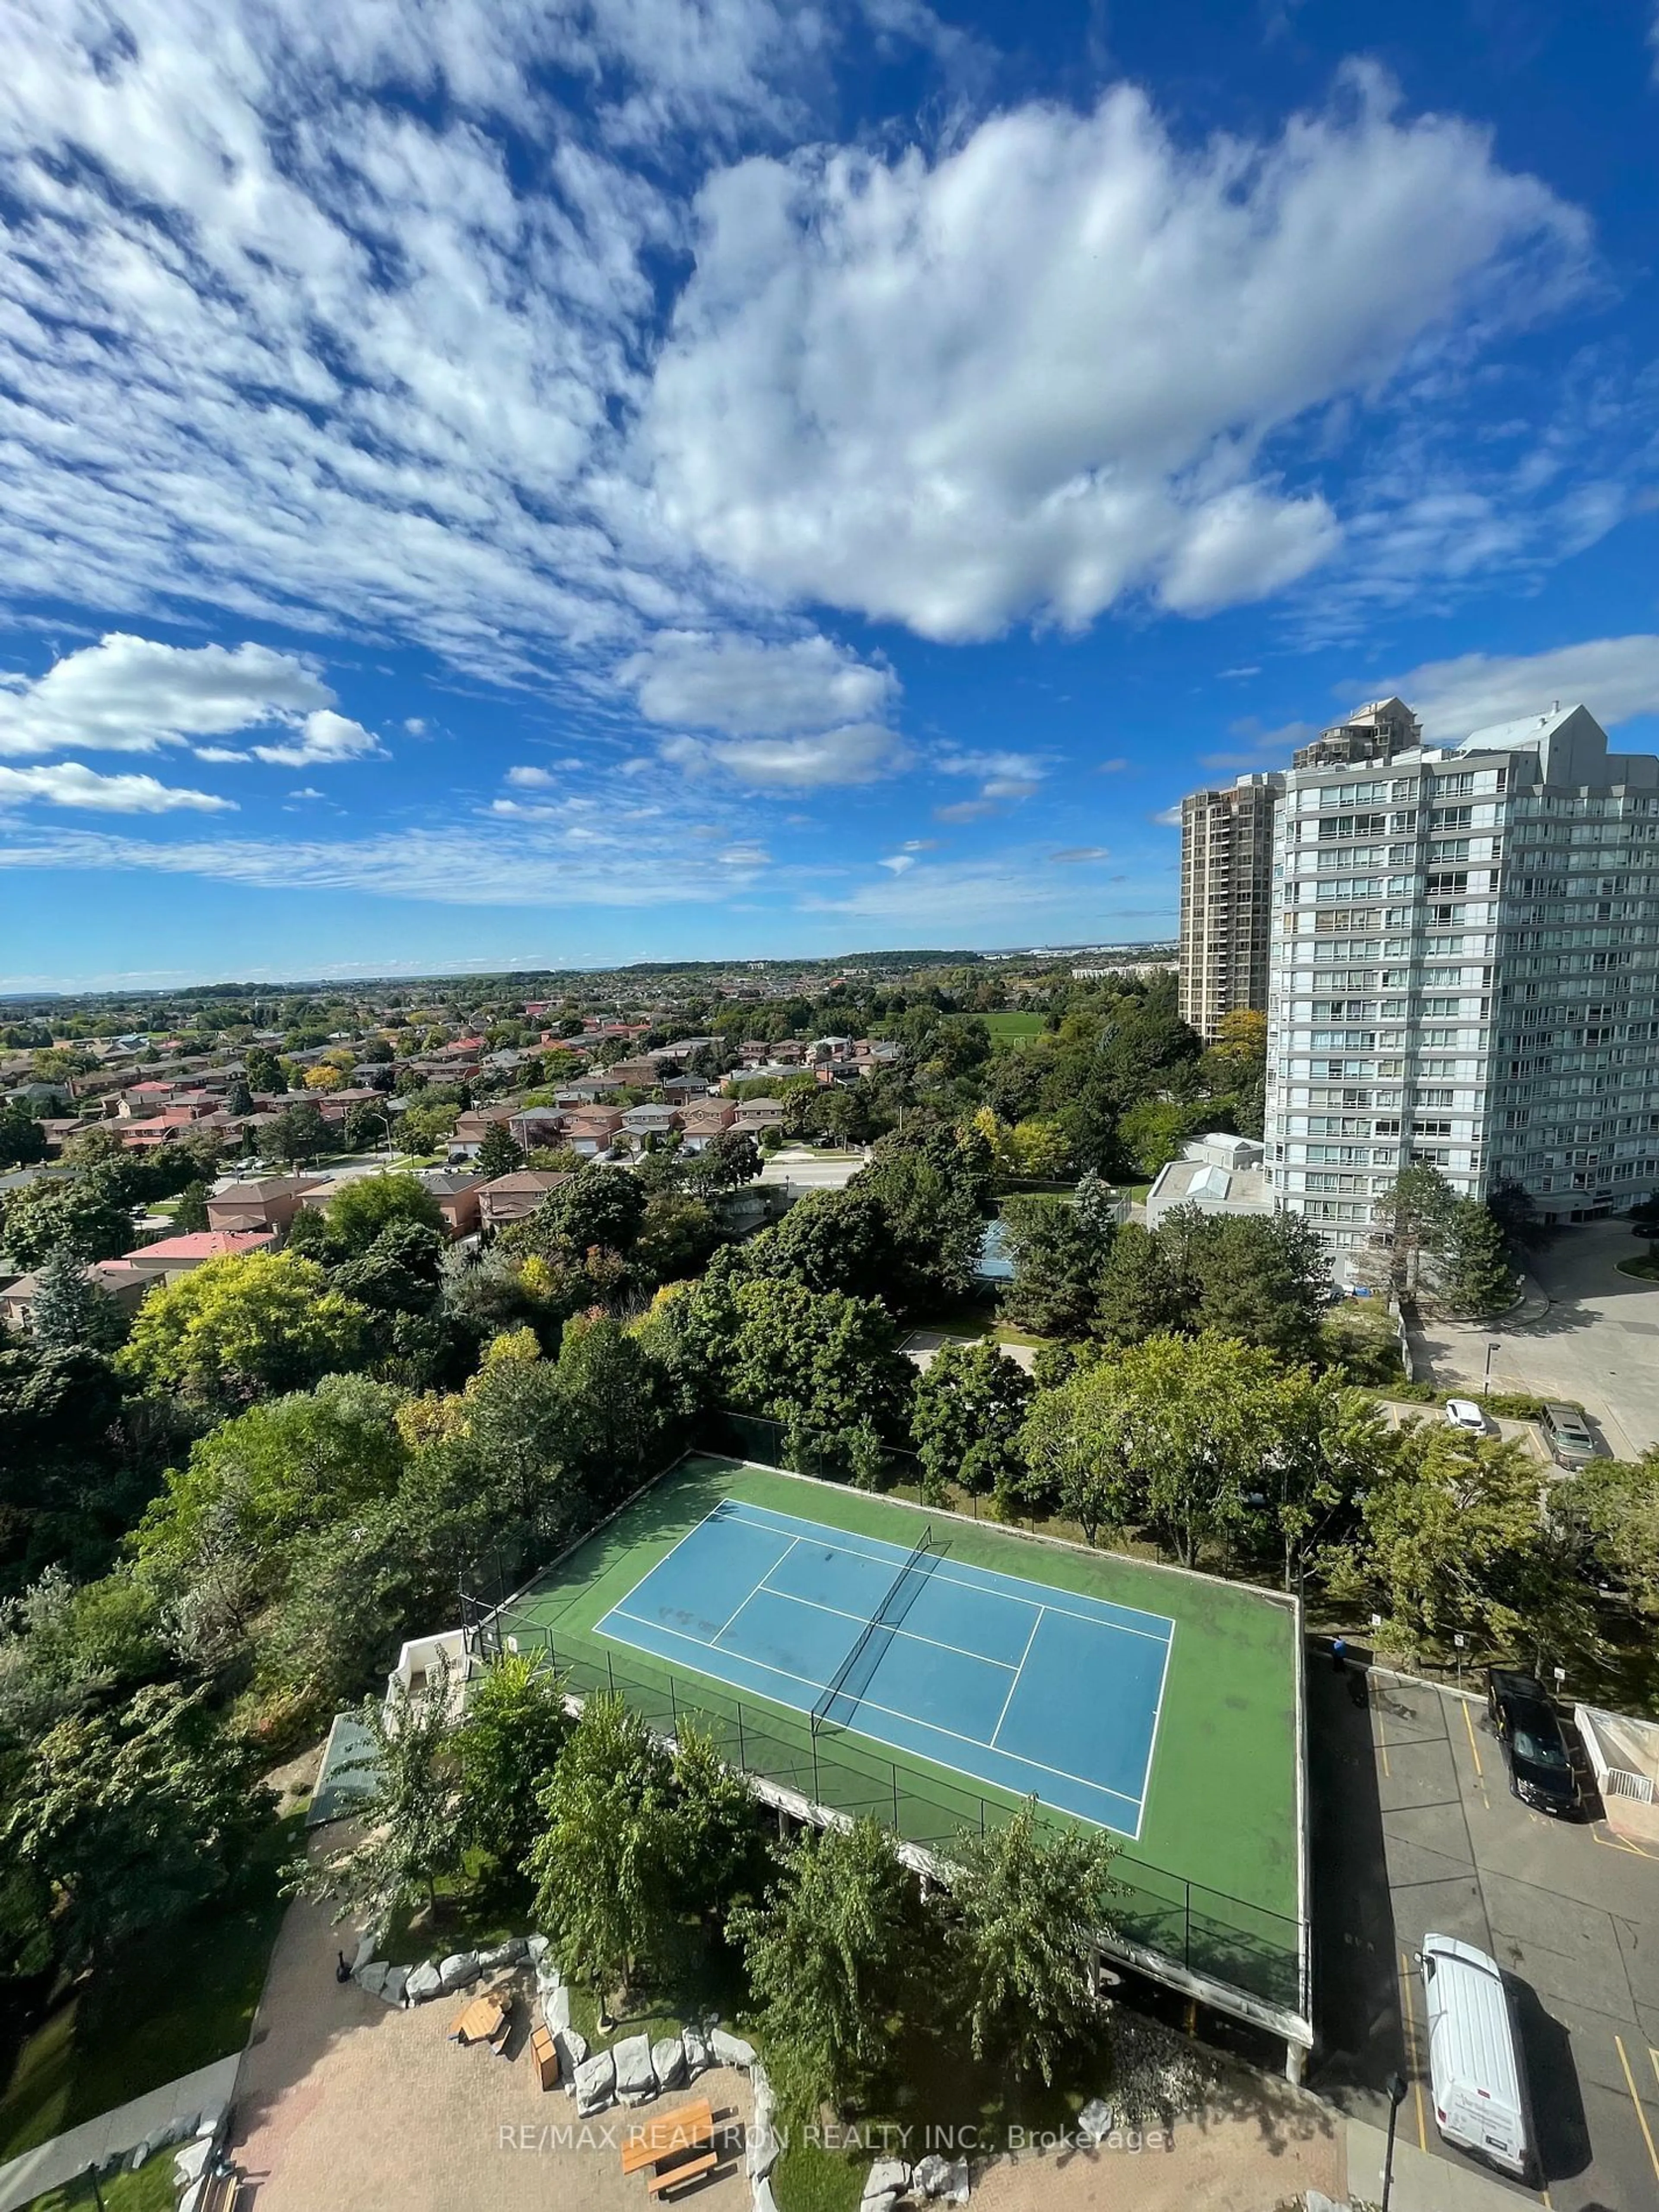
(202, 1244)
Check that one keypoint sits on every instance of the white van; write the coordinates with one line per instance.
(1474, 2056)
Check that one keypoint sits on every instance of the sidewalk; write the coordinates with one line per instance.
(51, 2163)
(1422, 2182)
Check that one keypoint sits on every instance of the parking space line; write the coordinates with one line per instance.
(1382, 1740)
(1411, 2049)
(1474, 1748)
(1630, 2083)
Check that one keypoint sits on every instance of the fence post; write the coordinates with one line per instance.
(611, 1674)
(896, 1810)
(1186, 1931)
(817, 1798)
(673, 1710)
(743, 1756)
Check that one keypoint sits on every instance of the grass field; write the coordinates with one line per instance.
(1008, 1029)
(1212, 1879)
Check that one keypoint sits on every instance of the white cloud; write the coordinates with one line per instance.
(1042, 371)
(1076, 855)
(531, 779)
(860, 753)
(898, 862)
(415, 726)
(1007, 774)
(131, 695)
(68, 783)
(1169, 816)
(1616, 678)
(325, 739)
(747, 687)
(305, 791)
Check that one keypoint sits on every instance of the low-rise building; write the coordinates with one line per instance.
(270, 1202)
(172, 1256)
(457, 1194)
(125, 1285)
(1218, 1174)
(704, 1120)
(514, 1197)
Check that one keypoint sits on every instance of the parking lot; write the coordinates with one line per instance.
(1597, 1342)
(1414, 1831)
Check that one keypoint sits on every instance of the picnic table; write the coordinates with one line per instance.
(484, 2020)
(676, 2147)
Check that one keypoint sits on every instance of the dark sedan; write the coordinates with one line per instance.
(1540, 1766)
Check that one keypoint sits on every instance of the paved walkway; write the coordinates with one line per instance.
(51, 2163)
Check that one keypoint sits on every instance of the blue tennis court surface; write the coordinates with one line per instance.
(1020, 1686)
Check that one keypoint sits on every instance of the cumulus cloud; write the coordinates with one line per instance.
(747, 688)
(531, 779)
(1005, 774)
(1043, 369)
(68, 783)
(1616, 678)
(1075, 855)
(323, 739)
(133, 695)
(898, 862)
(860, 753)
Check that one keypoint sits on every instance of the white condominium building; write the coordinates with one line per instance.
(1464, 970)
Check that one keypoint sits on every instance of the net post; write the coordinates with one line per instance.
(611, 1674)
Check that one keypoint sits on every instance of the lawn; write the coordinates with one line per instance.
(1011, 1029)
(173, 2000)
(149, 2190)
(1219, 1888)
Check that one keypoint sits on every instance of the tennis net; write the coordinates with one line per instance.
(883, 1618)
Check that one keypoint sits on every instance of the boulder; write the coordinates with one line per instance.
(556, 2008)
(393, 1988)
(698, 2057)
(595, 2080)
(457, 1970)
(761, 2148)
(761, 2197)
(882, 2203)
(888, 2176)
(956, 2189)
(502, 1954)
(364, 1952)
(192, 2161)
(635, 2082)
(667, 2061)
(195, 2195)
(731, 2050)
(177, 2130)
(211, 2123)
(424, 1984)
(572, 2048)
(537, 1947)
(137, 2154)
(371, 1978)
(931, 2174)
(1094, 2122)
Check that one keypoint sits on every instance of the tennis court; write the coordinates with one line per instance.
(1028, 1691)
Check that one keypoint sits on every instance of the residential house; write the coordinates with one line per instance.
(514, 1197)
(686, 1087)
(470, 1126)
(535, 1125)
(457, 1194)
(588, 1090)
(589, 1129)
(639, 1074)
(125, 1285)
(270, 1202)
(758, 1114)
(172, 1256)
(641, 1122)
(703, 1120)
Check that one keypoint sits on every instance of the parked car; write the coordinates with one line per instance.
(1535, 1748)
(1568, 1435)
(1464, 1415)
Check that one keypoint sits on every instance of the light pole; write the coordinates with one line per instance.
(1492, 1346)
(97, 2193)
(1396, 2098)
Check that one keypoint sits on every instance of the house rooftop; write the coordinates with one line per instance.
(202, 1244)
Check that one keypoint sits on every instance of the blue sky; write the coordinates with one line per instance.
(494, 485)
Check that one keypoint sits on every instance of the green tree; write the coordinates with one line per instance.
(1475, 1278)
(265, 1071)
(505, 1752)
(1454, 1540)
(1263, 1278)
(970, 1405)
(717, 1850)
(676, 1235)
(731, 1160)
(239, 1100)
(299, 1132)
(1410, 1220)
(1140, 1293)
(22, 1140)
(242, 1327)
(1615, 1503)
(828, 1951)
(1059, 1255)
(1027, 1915)
(133, 1816)
(600, 1208)
(497, 1154)
(89, 1211)
(411, 1830)
(71, 1309)
(190, 1216)
(831, 1240)
(361, 1209)
(605, 1862)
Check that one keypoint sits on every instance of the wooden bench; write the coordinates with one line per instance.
(484, 2021)
(545, 2057)
(669, 2177)
(688, 2129)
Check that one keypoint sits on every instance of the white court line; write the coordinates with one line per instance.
(793, 1597)
(1014, 1684)
(760, 1585)
(910, 1720)
(845, 1543)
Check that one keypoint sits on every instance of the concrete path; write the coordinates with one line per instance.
(50, 2163)
(1422, 2182)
